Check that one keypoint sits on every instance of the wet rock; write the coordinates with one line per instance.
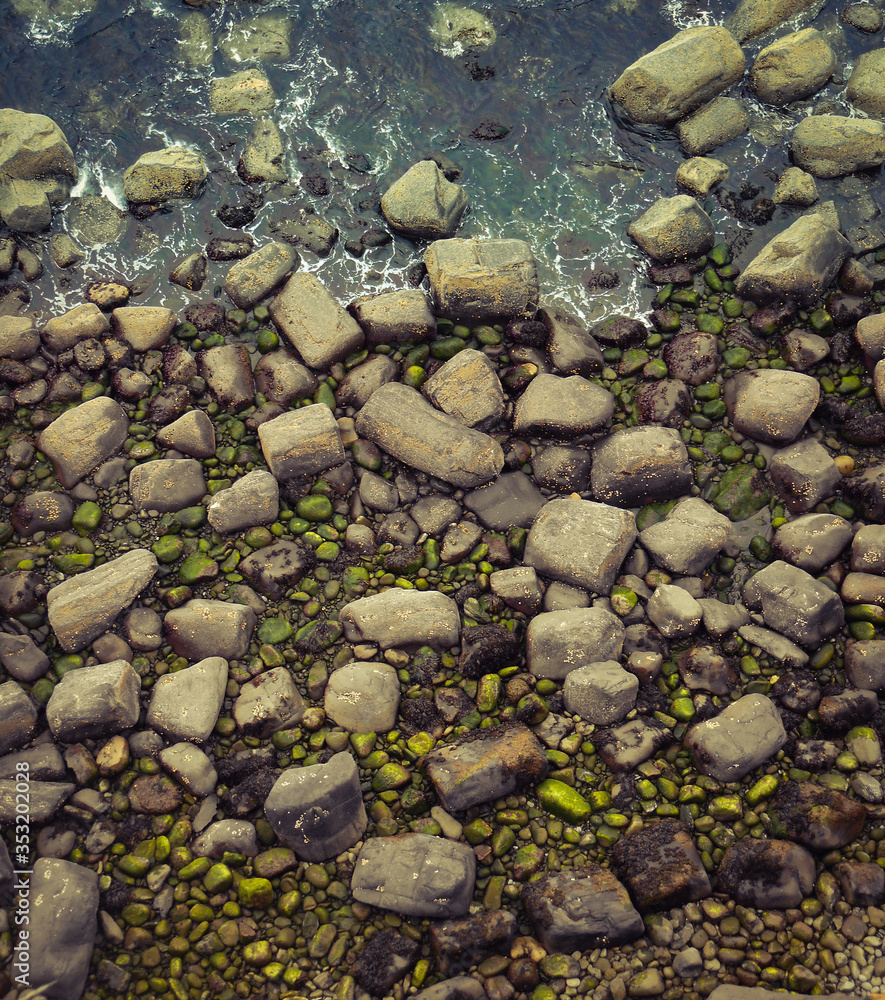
(666, 402)
(228, 373)
(397, 618)
(673, 229)
(185, 704)
(562, 407)
(94, 702)
(282, 378)
(625, 747)
(570, 347)
(870, 336)
(600, 692)
(777, 646)
(865, 89)
(154, 794)
(248, 92)
(804, 474)
(680, 75)
(804, 350)
(518, 588)
(460, 944)
(263, 154)
(277, 567)
(621, 331)
(558, 642)
(792, 68)
(43, 511)
(229, 248)
(19, 339)
(766, 874)
(363, 697)
(485, 765)
(771, 406)
(434, 514)
(22, 658)
(562, 469)
(868, 549)
(201, 628)
(144, 328)
(795, 187)
(168, 484)
(227, 835)
(84, 606)
(840, 712)
(46, 798)
(820, 819)
(456, 28)
(793, 603)
(80, 439)
(254, 499)
(833, 145)
(688, 539)
(479, 280)
(250, 280)
(704, 668)
(301, 442)
(303, 228)
(391, 317)
(512, 499)
(20, 592)
(740, 738)
(416, 875)
(813, 540)
(692, 357)
(716, 123)
(752, 18)
(862, 883)
(314, 323)
(360, 382)
(661, 867)
(192, 434)
(674, 612)
(157, 177)
(467, 387)
(18, 717)
(189, 271)
(268, 703)
(422, 204)
(190, 767)
(639, 465)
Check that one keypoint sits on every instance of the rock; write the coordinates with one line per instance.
(19, 339)
(581, 908)
(771, 406)
(865, 89)
(562, 469)
(799, 263)
(37, 167)
(459, 944)
(716, 123)
(282, 378)
(246, 93)
(144, 328)
(818, 818)
(485, 765)
(422, 204)
(456, 29)
(752, 18)
(192, 434)
(93, 220)
(263, 154)
(80, 439)
(813, 540)
(174, 172)
(264, 38)
(227, 835)
(680, 75)
(571, 349)
(804, 474)
(303, 228)
(870, 336)
(674, 612)
(250, 280)
(277, 567)
(792, 68)
(415, 875)
(363, 697)
(793, 603)
(185, 704)
(661, 867)
(84, 606)
(868, 550)
(94, 702)
(467, 388)
(361, 381)
(767, 874)
(833, 145)
(562, 408)
(318, 810)
(302, 442)
(518, 588)
(673, 229)
(201, 628)
(862, 883)
(268, 703)
(227, 370)
(478, 280)
(191, 768)
(701, 174)
(391, 317)
(43, 511)
(45, 799)
(399, 420)
(625, 747)
(62, 928)
(254, 499)
(22, 658)
(600, 692)
(795, 187)
(398, 618)
(688, 539)
(168, 484)
(692, 357)
(314, 323)
(512, 499)
(18, 717)
(740, 738)
(640, 465)
(558, 642)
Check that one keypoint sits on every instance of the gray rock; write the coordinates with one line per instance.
(558, 642)
(168, 484)
(268, 703)
(318, 810)
(862, 882)
(94, 702)
(689, 537)
(192, 434)
(766, 874)
(360, 382)
(716, 123)
(22, 658)
(639, 465)
(752, 18)
(562, 468)
(227, 370)
(580, 909)
(301, 442)
(777, 646)
(191, 768)
(804, 474)
(580, 542)
(870, 336)
(456, 29)
(18, 717)
(143, 629)
(263, 271)
(277, 567)
(434, 514)
(144, 328)
(416, 875)
(396, 618)
(80, 439)
(722, 619)
(63, 924)
(234, 835)
(19, 339)
(399, 420)
(601, 692)
(455, 988)
(200, 629)
(680, 75)
(771, 406)
(467, 387)
(363, 697)
(674, 612)
(263, 154)
(674, 229)
(833, 145)
(813, 541)
(512, 499)
(572, 349)
(248, 92)
(83, 322)
(378, 493)
(46, 798)
(740, 738)
(282, 378)
(459, 541)
(43, 511)
(185, 704)
(688, 963)
(799, 263)
(391, 317)
(625, 747)
(264, 38)
(868, 549)
(795, 187)
(518, 588)
(701, 174)
(478, 281)
(793, 603)
(83, 606)
(254, 499)
(562, 408)
(44, 763)
(157, 177)
(563, 597)
(314, 322)
(865, 89)
(422, 204)
(792, 68)
(485, 765)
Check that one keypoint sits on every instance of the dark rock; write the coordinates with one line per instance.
(384, 961)
(277, 567)
(486, 649)
(766, 874)
(622, 331)
(692, 357)
(665, 402)
(819, 818)
(459, 944)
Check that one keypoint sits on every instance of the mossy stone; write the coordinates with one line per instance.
(314, 508)
(563, 802)
(256, 893)
(274, 631)
(741, 492)
(196, 568)
(87, 517)
(192, 517)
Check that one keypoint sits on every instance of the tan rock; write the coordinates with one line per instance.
(248, 92)
(866, 85)
(792, 68)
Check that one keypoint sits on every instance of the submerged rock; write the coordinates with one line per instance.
(174, 172)
(422, 204)
(674, 229)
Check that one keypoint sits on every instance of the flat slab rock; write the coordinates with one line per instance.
(485, 765)
(415, 875)
(398, 618)
(741, 737)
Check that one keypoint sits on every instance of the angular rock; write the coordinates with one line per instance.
(740, 738)
(22, 658)
(263, 271)
(813, 540)
(228, 373)
(563, 469)
(190, 767)
(360, 382)
(83, 322)
(803, 474)
(688, 539)
(558, 642)
(277, 567)
(234, 835)
(185, 704)
(282, 378)
(252, 500)
(168, 484)
(752, 18)
(673, 229)
(776, 645)
(819, 818)
(793, 603)
(18, 717)
(192, 434)
(263, 154)
(795, 187)
(485, 765)
(144, 328)
(19, 339)
(79, 440)
(301, 442)
(396, 316)
(248, 92)
(833, 145)
(416, 875)
(626, 747)
(467, 388)
(792, 68)
(83, 606)
(674, 612)
(865, 89)
(868, 549)
(201, 629)
(639, 465)
(518, 588)
(46, 798)
(562, 408)
(771, 406)
(422, 204)
(570, 347)
(600, 692)
(701, 174)
(459, 944)
(511, 500)
(94, 702)
(862, 883)
(716, 123)
(363, 697)
(268, 703)
(399, 420)
(174, 172)
(767, 874)
(397, 618)
(318, 810)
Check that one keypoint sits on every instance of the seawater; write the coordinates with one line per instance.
(367, 77)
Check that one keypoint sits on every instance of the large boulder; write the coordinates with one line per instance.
(301, 442)
(866, 85)
(80, 439)
(174, 172)
(833, 145)
(423, 204)
(396, 618)
(769, 405)
(720, 121)
(752, 18)
(674, 229)
(94, 702)
(250, 280)
(793, 603)
(37, 170)
(640, 465)
(740, 738)
(792, 68)
(679, 76)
